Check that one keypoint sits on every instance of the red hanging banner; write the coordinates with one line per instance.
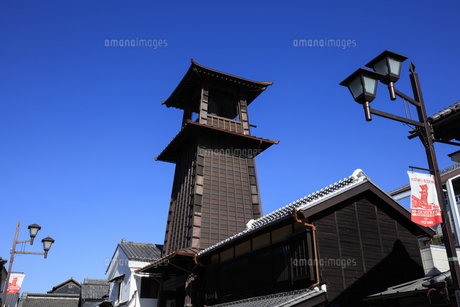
(14, 285)
(424, 205)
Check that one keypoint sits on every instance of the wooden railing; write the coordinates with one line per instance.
(224, 123)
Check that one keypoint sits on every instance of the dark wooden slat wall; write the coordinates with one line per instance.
(176, 235)
(227, 200)
(362, 250)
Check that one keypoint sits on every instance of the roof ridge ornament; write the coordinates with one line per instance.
(250, 223)
(358, 175)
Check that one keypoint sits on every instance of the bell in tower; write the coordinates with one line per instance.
(215, 190)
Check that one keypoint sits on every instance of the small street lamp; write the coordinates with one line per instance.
(388, 67)
(47, 242)
(363, 87)
(34, 228)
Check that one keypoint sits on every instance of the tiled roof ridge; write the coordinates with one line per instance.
(138, 243)
(90, 281)
(210, 71)
(301, 293)
(357, 176)
(445, 112)
(52, 295)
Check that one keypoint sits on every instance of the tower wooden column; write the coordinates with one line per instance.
(215, 190)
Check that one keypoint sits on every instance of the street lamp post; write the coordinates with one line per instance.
(387, 67)
(47, 242)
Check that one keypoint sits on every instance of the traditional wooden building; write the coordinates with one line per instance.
(446, 125)
(69, 286)
(215, 190)
(336, 246)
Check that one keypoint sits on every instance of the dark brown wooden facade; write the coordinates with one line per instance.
(367, 243)
(215, 190)
(350, 239)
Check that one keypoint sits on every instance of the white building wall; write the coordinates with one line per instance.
(119, 265)
(434, 259)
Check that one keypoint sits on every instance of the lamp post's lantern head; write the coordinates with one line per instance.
(47, 242)
(34, 228)
(388, 63)
(363, 87)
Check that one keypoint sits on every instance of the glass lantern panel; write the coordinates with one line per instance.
(395, 66)
(355, 87)
(370, 85)
(33, 231)
(381, 67)
(47, 244)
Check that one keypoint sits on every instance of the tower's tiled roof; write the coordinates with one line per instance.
(171, 152)
(195, 75)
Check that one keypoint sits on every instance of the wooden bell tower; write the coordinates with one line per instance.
(215, 190)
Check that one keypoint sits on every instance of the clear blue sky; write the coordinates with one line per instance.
(81, 123)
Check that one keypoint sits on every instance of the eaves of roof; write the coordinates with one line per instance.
(196, 73)
(122, 276)
(186, 252)
(169, 154)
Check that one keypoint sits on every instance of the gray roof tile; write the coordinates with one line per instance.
(49, 300)
(141, 251)
(11, 299)
(283, 299)
(414, 287)
(94, 289)
(445, 113)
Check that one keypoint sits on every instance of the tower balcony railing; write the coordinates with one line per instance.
(224, 123)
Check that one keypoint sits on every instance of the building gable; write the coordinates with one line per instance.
(68, 286)
(366, 243)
